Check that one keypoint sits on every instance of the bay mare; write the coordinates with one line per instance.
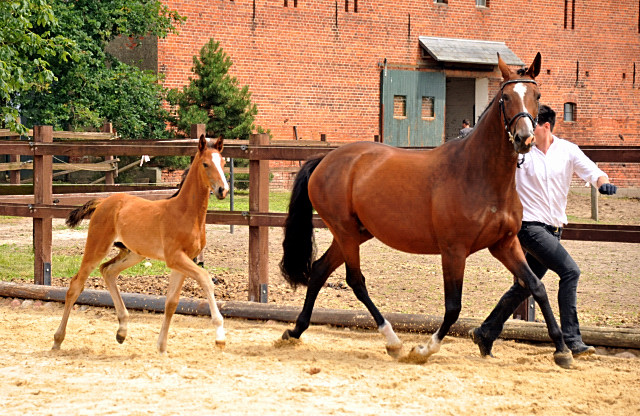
(453, 200)
(171, 230)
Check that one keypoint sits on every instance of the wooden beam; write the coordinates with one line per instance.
(513, 329)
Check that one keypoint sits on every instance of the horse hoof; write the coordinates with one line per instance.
(483, 343)
(221, 344)
(394, 350)
(418, 355)
(563, 358)
(120, 338)
(288, 335)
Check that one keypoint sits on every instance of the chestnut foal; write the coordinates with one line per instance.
(172, 230)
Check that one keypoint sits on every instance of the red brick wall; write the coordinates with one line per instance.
(305, 71)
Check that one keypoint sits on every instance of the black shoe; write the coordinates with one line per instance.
(484, 343)
(580, 349)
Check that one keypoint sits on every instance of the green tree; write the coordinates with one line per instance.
(214, 98)
(95, 86)
(29, 47)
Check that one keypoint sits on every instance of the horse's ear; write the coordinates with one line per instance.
(534, 69)
(202, 143)
(219, 144)
(504, 68)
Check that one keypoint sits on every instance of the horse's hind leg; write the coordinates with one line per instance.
(320, 272)
(110, 271)
(356, 281)
(95, 251)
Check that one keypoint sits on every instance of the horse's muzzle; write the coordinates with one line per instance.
(221, 193)
(523, 145)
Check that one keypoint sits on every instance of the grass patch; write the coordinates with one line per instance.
(278, 201)
(16, 263)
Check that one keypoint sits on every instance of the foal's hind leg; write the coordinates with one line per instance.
(95, 251)
(110, 271)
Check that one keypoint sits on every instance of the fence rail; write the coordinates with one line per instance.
(259, 150)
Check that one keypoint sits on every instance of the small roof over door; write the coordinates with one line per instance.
(468, 51)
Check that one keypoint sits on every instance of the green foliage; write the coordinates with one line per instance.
(29, 47)
(94, 86)
(214, 98)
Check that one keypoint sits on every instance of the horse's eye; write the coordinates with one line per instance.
(206, 165)
(538, 97)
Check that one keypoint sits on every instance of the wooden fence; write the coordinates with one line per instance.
(259, 150)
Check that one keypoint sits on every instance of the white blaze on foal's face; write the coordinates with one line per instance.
(216, 158)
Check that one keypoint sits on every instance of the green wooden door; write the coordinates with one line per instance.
(413, 107)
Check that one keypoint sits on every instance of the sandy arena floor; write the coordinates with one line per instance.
(332, 371)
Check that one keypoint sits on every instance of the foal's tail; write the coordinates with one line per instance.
(77, 215)
(298, 244)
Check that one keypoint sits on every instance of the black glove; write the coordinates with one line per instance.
(608, 189)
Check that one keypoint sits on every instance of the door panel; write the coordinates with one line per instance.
(413, 107)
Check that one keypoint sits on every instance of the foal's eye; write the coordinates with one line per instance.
(206, 165)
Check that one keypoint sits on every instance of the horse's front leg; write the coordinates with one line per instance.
(176, 280)
(453, 263)
(510, 253)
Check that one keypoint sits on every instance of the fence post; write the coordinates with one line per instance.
(109, 177)
(594, 203)
(14, 175)
(258, 236)
(42, 194)
(198, 130)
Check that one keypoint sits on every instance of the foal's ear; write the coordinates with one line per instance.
(534, 69)
(504, 68)
(219, 144)
(202, 143)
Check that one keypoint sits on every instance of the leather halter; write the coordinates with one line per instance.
(508, 123)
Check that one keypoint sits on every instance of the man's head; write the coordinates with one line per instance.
(547, 115)
(465, 123)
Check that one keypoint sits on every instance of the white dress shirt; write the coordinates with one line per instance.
(543, 180)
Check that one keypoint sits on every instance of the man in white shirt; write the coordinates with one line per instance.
(542, 181)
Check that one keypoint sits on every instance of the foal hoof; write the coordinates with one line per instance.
(120, 338)
(563, 358)
(394, 350)
(221, 344)
(418, 355)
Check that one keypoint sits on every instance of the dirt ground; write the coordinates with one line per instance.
(332, 370)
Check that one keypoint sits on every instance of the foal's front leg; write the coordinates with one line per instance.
(182, 264)
(176, 280)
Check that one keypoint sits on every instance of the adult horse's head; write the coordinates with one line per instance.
(211, 162)
(519, 103)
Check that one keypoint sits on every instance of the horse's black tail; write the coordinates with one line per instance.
(298, 244)
(77, 215)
